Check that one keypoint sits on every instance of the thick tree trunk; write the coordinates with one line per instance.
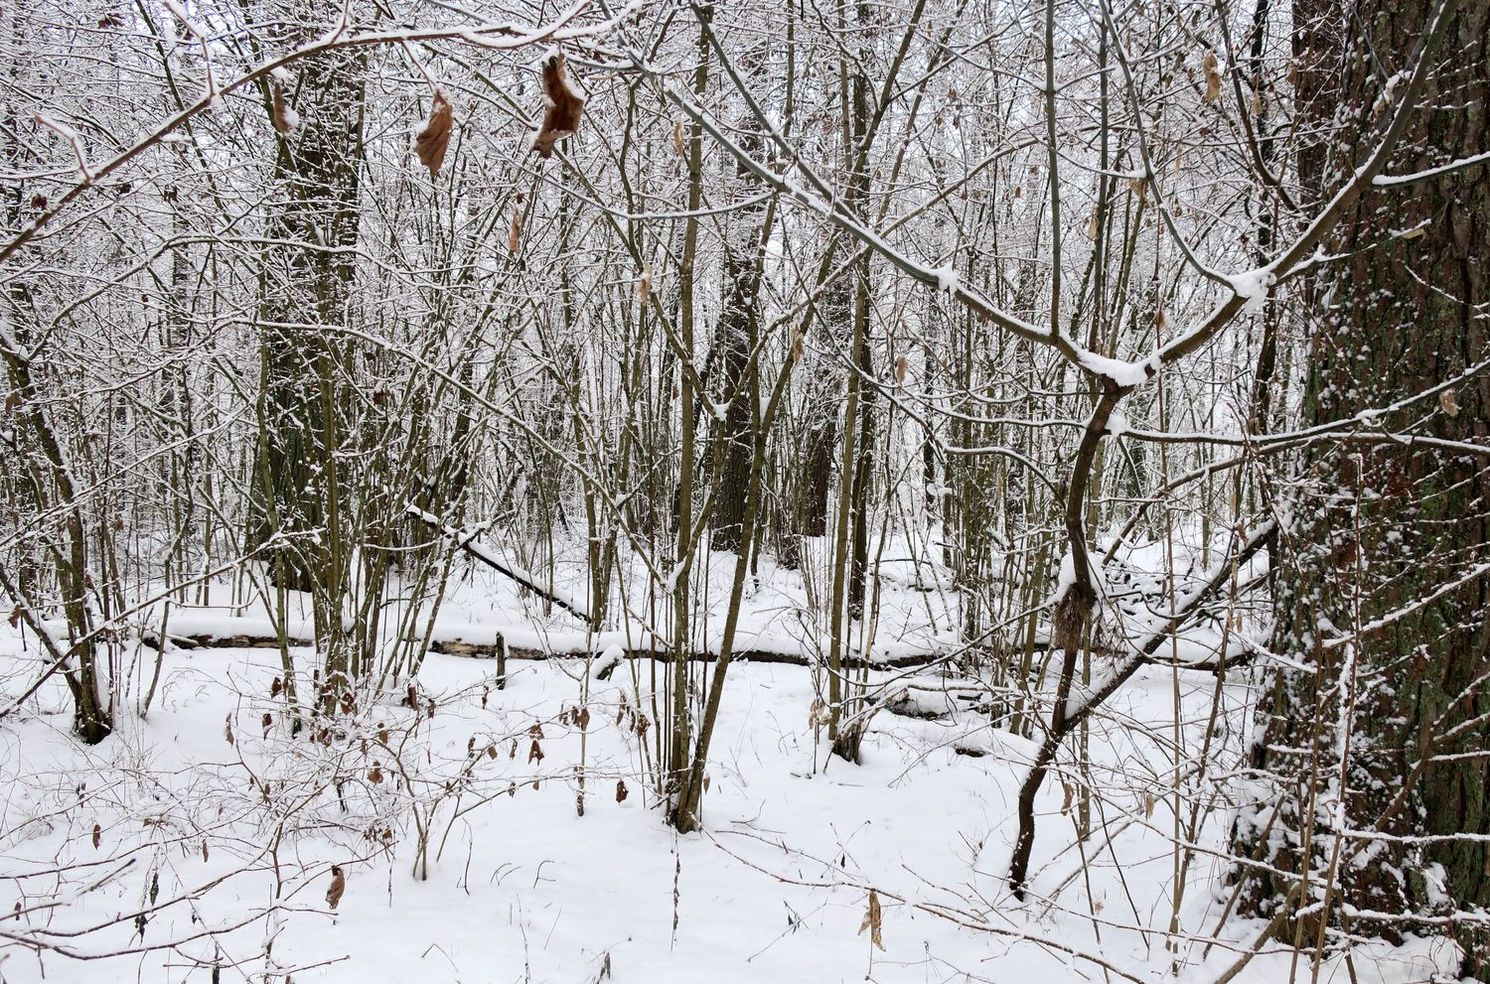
(307, 288)
(1372, 723)
(744, 257)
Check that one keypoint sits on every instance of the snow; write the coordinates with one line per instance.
(525, 888)
(1126, 375)
(1254, 285)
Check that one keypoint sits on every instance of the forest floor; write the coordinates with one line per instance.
(212, 833)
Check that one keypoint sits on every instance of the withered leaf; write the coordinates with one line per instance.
(97, 835)
(337, 888)
(561, 118)
(872, 920)
(434, 139)
(515, 233)
(280, 114)
(1212, 70)
(621, 791)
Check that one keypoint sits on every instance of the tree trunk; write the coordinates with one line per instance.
(744, 256)
(307, 287)
(1371, 723)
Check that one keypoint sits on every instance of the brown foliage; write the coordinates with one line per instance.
(337, 888)
(1212, 70)
(434, 139)
(561, 118)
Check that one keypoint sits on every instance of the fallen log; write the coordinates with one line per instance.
(501, 651)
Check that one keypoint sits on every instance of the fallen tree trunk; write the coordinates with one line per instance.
(499, 649)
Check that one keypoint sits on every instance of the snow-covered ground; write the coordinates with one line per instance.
(170, 813)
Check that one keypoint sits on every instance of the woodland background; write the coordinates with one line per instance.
(1052, 431)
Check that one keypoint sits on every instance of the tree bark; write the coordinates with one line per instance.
(308, 370)
(1372, 723)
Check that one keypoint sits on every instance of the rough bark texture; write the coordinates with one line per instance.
(307, 290)
(1360, 736)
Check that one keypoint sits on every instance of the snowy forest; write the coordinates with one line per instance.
(754, 490)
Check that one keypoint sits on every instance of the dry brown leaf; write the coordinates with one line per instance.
(1448, 403)
(817, 714)
(644, 285)
(561, 118)
(268, 723)
(227, 730)
(1212, 70)
(515, 232)
(337, 888)
(97, 835)
(280, 114)
(375, 775)
(621, 791)
(535, 753)
(873, 920)
(900, 369)
(678, 137)
(434, 139)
